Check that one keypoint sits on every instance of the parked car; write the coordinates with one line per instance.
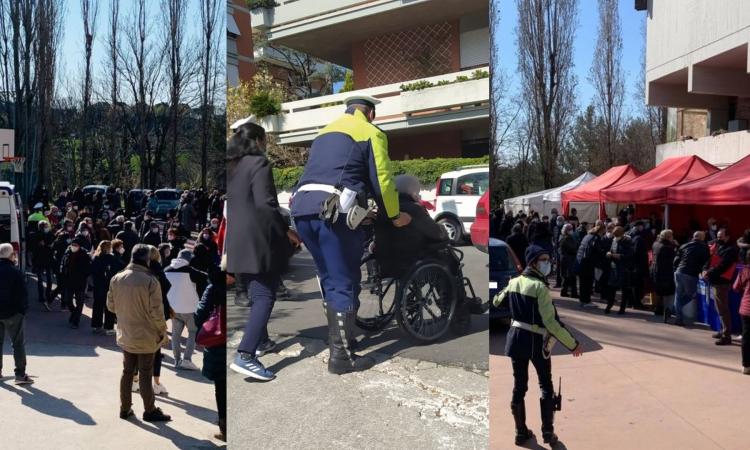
(504, 265)
(480, 229)
(166, 200)
(456, 196)
(12, 229)
(94, 188)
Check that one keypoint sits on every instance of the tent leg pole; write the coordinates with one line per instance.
(666, 217)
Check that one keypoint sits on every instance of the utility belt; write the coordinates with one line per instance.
(341, 200)
(549, 340)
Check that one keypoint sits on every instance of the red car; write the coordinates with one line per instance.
(480, 229)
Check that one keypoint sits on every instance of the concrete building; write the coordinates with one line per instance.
(698, 65)
(240, 64)
(388, 44)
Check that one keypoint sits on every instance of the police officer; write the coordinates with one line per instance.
(348, 154)
(535, 321)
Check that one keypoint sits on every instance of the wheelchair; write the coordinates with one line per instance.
(427, 298)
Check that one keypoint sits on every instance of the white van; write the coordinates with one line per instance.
(12, 221)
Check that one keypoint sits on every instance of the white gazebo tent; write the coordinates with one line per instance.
(543, 201)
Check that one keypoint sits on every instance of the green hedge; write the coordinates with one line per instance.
(427, 170)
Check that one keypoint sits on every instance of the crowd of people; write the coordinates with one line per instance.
(139, 268)
(638, 257)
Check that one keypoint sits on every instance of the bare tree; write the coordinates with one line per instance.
(606, 74)
(48, 18)
(116, 154)
(208, 66)
(89, 12)
(655, 116)
(545, 35)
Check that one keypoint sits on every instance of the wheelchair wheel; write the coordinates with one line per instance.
(427, 301)
(376, 303)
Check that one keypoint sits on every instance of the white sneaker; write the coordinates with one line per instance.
(136, 387)
(110, 332)
(188, 365)
(159, 389)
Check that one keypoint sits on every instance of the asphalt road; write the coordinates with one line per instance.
(302, 315)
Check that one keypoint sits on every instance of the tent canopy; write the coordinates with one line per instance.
(651, 187)
(555, 195)
(536, 200)
(589, 192)
(730, 186)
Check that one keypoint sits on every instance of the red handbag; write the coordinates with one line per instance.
(213, 331)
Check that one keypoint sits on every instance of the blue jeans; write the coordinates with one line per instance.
(686, 286)
(337, 252)
(262, 289)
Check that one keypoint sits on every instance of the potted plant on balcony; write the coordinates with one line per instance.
(423, 95)
(257, 4)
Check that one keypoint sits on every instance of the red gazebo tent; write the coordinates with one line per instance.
(589, 193)
(724, 195)
(651, 187)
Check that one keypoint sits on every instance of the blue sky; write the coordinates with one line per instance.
(632, 45)
(71, 55)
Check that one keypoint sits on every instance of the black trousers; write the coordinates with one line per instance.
(521, 377)
(100, 312)
(14, 326)
(75, 309)
(220, 389)
(745, 341)
(611, 292)
(586, 275)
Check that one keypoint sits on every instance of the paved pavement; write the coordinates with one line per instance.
(74, 401)
(639, 385)
(416, 397)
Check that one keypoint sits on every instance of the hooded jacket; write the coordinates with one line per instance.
(183, 294)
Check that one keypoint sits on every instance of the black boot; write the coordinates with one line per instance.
(547, 406)
(523, 434)
(341, 358)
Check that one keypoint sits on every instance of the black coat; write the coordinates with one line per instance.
(662, 269)
(103, 268)
(729, 255)
(620, 275)
(13, 297)
(42, 256)
(76, 267)
(214, 358)
(256, 241)
(568, 248)
(691, 258)
(518, 243)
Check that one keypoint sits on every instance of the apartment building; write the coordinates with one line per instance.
(427, 60)
(698, 65)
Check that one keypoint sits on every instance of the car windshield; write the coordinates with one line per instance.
(167, 195)
(500, 259)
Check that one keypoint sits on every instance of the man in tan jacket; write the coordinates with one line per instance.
(135, 298)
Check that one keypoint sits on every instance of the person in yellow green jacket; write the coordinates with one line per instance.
(350, 154)
(534, 322)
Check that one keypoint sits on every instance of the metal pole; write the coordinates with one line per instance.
(666, 217)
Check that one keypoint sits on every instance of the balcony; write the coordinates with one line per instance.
(327, 29)
(451, 106)
(721, 150)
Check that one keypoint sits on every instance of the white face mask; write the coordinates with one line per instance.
(74, 249)
(121, 250)
(545, 267)
(206, 237)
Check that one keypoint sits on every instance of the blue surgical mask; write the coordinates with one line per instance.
(545, 267)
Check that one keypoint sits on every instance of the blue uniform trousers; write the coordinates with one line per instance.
(337, 252)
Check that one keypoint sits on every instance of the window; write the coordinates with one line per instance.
(473, 184)
(446, 186)
(167, 195)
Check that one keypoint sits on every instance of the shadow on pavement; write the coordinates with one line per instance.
(170, 434)
(204, 414)
(50, 405)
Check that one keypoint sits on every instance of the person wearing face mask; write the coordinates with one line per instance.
(588, 258)
(175, 240)
(719, 271)
(42, 261)
(118, 251)
(713, 230)
(567, 249)
(208, 239)
(103, 268)
(534, 319)
(129, 238)
(76, 266)
(153, 236)
(620, 258)
(603, 268)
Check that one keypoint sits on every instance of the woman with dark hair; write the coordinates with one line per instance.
(258, 241)
(662, 273)
(103, 268)
(744, 244)
(207, 238)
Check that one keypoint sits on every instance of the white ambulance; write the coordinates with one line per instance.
(12, 221)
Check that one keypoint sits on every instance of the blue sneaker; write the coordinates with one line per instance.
(265, 347)
(251, 367)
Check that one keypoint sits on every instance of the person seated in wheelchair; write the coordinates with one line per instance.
(398, 249)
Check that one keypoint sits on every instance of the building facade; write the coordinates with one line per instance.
(240, 64)
(703, 76)
(426, 60)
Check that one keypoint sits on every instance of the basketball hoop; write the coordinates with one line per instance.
(16, 162)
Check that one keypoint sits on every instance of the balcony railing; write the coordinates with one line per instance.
(721, 150)
(300, 120)
(290, 11)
